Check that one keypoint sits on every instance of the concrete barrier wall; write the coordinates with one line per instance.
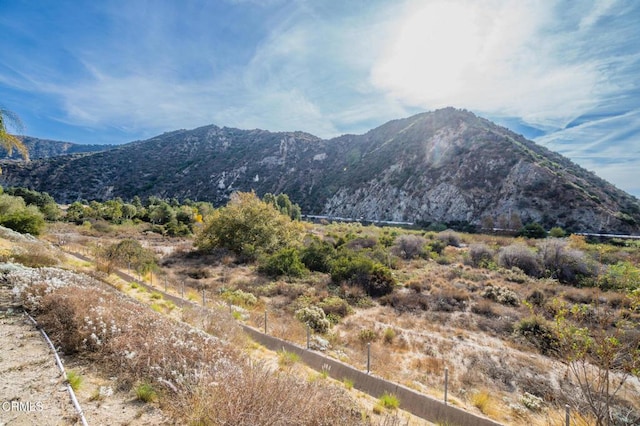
(414, 402)
(421, 405)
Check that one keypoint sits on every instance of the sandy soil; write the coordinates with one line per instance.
(33, 391)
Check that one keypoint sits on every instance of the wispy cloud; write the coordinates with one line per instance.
(567, 70)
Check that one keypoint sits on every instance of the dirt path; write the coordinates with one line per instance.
(33, 391)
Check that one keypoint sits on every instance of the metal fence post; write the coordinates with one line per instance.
(446, 384)
(203, 300)
(183, 289)
(368, 357)
(567, 415)
(265, 321)
(308, 337)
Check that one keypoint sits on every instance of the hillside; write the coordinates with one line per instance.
(45, 148)
(443, 166)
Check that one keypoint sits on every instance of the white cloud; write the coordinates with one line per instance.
(491, 56)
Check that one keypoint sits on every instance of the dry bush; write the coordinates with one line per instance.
(448, 300)
(522, 257)
(409, 246)
(565, 264)
(186, 365)
(256, 396)
(484, 308)
(450, 238)
(430, 365)
(480, 254)
(500, 295)
(34, 255)
(404, 301)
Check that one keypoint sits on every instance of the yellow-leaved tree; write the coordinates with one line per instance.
(8, 141)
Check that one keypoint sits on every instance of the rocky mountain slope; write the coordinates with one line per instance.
(443, 166)
(45, 148)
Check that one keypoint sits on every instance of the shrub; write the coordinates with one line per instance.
(285, 261)
(569, 266)
(437, 246)
(537, 332)
(450, 238)
(501, 295)
(145, 392)
(287, 359)
(482, 401)
(536, 298)
(317, 255)
(389, 401)
(532, 230)
(557, 232)
(484, 308)
(367, 335)
(74, 379)
(410, 246)
(23, 219)
(481, 255)
(388, 335)
(335, 306)
(406, 302)
(358, 269)
(239, 298)
(314, 317)
(449, 300)
(532, 402)
(520, 256)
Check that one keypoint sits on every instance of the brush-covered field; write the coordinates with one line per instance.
(523, 326)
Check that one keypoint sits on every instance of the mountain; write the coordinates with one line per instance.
(443, 166)
(45, 148)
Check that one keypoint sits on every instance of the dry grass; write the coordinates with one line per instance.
(200, 378)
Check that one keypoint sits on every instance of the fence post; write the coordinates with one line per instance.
(446, 384)
(265, 321)
(368, 357)
(203, 299)
(567, 415)
(308, 337)
(182, 290)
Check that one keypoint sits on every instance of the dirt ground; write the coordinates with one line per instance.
(33, 391)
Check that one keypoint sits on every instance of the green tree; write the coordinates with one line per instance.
(161, 213)
(75, 212)
(248, 226)
(127, 253)
(16, 215)
(284, 205)
(8, 141)
(532, 230)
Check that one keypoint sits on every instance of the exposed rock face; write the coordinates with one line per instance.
(443, 166)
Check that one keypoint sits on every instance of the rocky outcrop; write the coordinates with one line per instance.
(444, 166)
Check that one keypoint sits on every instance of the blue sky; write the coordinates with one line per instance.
(564, 73)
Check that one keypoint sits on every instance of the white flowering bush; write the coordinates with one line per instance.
(532, 402)
(501, 295)
(206, 379)
(314, 317)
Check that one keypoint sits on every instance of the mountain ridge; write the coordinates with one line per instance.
(441, 166)
(45, 148)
